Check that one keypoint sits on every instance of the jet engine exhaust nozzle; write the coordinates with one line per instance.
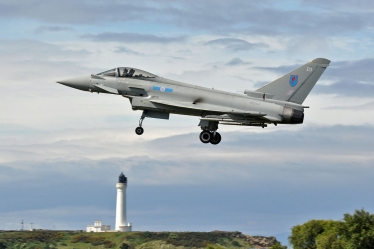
(293, 116)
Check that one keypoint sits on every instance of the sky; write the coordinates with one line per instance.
(61, 150)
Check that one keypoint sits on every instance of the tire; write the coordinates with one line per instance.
(216, 139)
(205, 136)
(139, 130)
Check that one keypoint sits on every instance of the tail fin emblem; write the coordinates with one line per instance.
(293, 80)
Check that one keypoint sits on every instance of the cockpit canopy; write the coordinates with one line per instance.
(127, 72)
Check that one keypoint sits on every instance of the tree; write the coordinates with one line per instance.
(305, 236)
(353, 232)
(358, 230)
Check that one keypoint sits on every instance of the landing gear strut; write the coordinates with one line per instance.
(139, 130)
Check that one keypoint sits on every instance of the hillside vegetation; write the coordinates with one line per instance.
(354, 231)
(42, 239)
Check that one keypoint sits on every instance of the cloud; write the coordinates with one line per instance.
(280, 69)
(235, 44)
(236, 62)
(122, 49)
(352, 70)
(23, 50)
(346, 88)
(266, 18)
(131, 38)
(35, 65)
(43, 29)
(366, 106)
(72, 12)
(72, 181)
(160, 156)
(345, 5)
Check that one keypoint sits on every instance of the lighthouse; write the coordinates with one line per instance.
(121, 224)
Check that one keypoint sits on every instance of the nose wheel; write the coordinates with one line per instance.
(139, 130)
(212, 137)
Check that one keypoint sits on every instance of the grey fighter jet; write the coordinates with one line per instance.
(279, 102)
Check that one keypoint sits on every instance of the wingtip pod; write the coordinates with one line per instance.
(321, 61)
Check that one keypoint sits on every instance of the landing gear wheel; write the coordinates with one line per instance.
(139, 130)
(216, 138)
(205, 136)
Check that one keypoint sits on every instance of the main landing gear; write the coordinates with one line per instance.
(209, 133)
(212, 137)
(139, 130)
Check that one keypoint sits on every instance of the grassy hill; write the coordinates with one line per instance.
(42, 239)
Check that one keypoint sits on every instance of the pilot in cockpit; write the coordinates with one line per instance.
(125, 71)
(132, 71)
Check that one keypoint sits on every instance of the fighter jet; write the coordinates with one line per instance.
(278, 102)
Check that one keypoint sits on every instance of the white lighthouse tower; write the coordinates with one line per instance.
(121, 224)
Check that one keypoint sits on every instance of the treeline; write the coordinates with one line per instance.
(35, 239)
(352, 232)
(53, 240)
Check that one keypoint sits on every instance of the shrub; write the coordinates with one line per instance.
(95, 241)
(124, 246)
(235, 243)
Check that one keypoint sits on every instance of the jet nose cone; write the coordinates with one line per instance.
(80, 83)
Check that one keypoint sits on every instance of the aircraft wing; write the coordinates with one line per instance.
(207, 108)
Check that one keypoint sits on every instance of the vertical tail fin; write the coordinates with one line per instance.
(296, 85)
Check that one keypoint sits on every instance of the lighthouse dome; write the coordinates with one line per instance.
(122, 178)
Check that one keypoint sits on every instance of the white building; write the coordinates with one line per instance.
(121, 224)
(98, 227)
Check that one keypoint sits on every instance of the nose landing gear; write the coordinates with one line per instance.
(139, 130)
